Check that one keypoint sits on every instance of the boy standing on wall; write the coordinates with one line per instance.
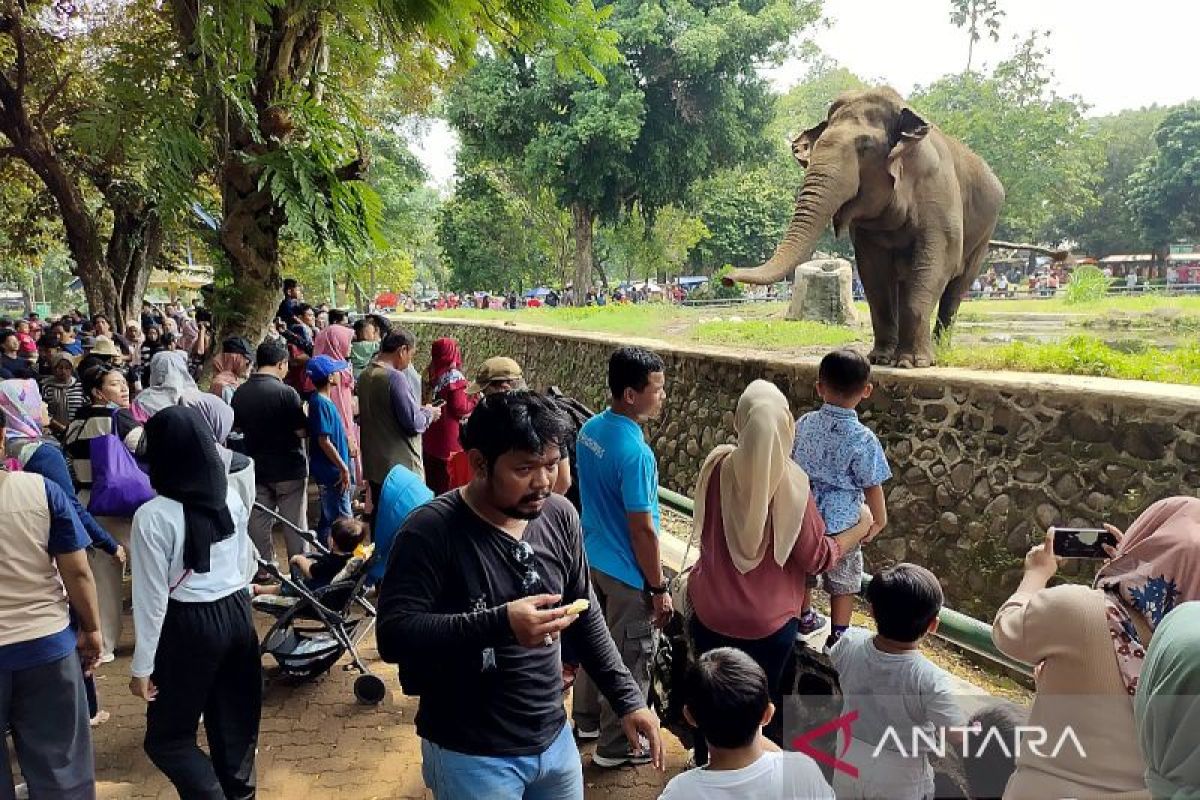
(846, 466)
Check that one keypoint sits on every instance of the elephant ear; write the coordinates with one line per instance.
(802, 145)
(911, 129)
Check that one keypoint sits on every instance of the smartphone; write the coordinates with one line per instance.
(1082, 542)
(438, 402)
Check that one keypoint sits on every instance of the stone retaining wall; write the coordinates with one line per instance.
(983, 462)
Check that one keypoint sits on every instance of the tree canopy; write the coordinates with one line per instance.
(684, 100)
(1036, 141)
(1165, 190)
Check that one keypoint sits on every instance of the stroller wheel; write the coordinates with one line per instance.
(369, 689)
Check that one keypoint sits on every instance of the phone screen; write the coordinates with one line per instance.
(1082, 542)
(438, 402)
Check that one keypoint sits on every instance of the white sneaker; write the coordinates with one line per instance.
(620, 761)
(21, 792)
(108, 658)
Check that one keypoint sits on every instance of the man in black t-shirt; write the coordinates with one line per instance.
(474, 603)
(270, 416)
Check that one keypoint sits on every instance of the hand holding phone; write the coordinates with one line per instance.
(438, 403)
(1083, 542)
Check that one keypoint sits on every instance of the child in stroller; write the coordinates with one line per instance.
(316, 571)
(321, 612)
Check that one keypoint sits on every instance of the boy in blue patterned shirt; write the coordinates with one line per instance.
(846, 467)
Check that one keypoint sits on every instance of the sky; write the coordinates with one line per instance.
(1114, 55)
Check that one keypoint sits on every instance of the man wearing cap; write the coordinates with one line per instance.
(498, 374)
(329, 450)
(391, 418)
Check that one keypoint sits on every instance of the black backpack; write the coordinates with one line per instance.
(578, 414)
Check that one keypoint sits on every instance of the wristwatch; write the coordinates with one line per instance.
(656, 590)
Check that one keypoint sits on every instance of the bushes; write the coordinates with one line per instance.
(1088, 284)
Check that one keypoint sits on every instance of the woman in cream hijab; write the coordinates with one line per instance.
(761, 536)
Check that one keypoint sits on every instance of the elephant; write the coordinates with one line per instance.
(920, 208)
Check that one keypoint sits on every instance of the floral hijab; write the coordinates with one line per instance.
(1157, 567)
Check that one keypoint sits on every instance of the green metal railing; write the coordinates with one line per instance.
(959, 629)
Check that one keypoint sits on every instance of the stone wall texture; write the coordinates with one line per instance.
(982, 462)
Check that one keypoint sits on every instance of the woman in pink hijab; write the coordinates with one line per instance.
(335, 341)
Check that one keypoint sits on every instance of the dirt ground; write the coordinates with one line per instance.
(317, 741)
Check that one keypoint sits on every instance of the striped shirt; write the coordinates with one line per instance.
(63, 400)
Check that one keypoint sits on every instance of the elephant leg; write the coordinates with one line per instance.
(923, 288)
(878, 276)
(957, 288)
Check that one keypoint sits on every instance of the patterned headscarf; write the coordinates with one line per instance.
(1157, 567)
(445, 364)
(22, 405)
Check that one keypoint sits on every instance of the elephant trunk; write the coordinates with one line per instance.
(827, 187)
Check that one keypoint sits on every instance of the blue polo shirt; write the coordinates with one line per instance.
(618, 475)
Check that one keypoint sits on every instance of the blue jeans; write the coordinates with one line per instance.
(334, 503)
(554, 774)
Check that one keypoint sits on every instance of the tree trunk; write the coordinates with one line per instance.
(133, 249)
(581, 225)
(249, 238)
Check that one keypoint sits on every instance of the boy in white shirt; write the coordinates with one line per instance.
(728, 702)
(895, 689)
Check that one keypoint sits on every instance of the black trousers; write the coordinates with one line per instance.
(207, 663)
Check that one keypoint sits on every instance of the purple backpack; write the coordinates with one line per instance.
(119, 487)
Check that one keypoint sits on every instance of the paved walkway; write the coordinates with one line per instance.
(317, 742)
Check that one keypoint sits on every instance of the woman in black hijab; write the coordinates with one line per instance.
(197, 650)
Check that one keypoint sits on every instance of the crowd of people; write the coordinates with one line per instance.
(543, 297)
(517, 559)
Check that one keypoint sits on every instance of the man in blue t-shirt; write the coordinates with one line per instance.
(329, 452)
(618, 487)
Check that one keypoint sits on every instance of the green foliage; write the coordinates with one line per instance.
(1165, 190)
(484, 239)
(1035, 140)
(1111, 227)
(745, 212)
(685, 100)
(636, 249)
(772, 334)
(1087, 284)
(977, 17)
(716, 289)
(1081, 355)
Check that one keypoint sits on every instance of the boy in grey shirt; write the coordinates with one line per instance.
(905, 702)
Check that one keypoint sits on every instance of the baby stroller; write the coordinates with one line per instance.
(315, 627)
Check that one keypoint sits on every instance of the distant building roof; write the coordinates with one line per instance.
(1184, 257)
(1120, 259)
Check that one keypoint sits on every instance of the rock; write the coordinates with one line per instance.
(961, 477)
(1086, 428)
(893, 549)
(901, 450)
(822, 292)
(948, 523)
(1018, 539)
(1144, 442)
(1047, 515)
(693, 448)
(1066, 487)
(1031, 473)
(1187, 451)
(998, 507)
(929, 390)
(1098, 502)
(935, 412)
(943, 497)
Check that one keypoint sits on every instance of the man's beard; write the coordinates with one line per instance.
(515, 511)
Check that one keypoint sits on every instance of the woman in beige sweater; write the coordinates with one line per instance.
(1088, 646)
